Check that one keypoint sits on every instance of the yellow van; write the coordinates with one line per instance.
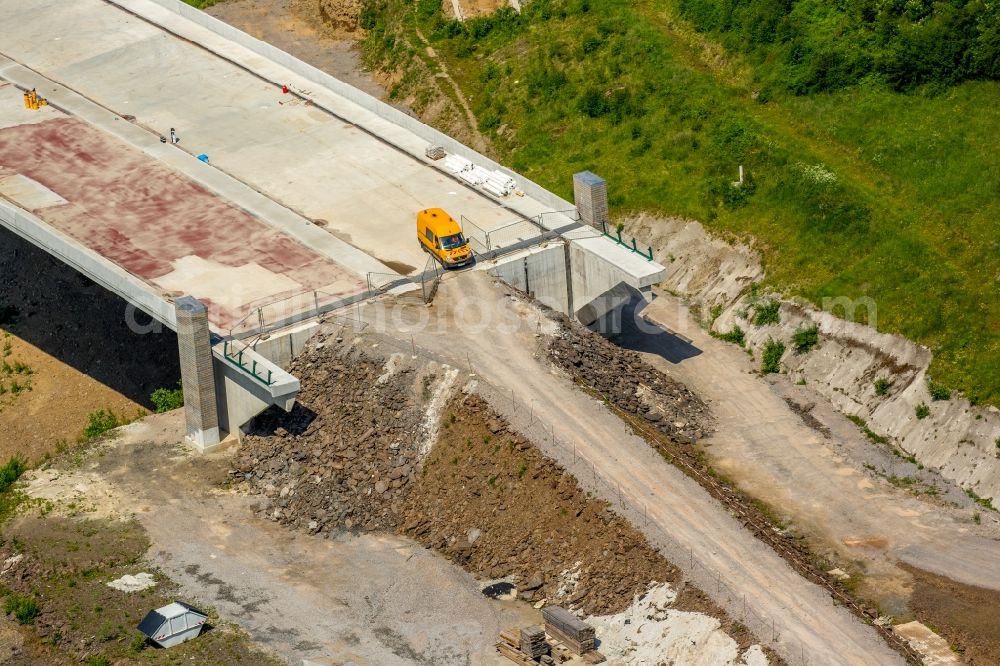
(439, 234)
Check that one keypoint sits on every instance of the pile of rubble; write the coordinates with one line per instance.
(345, 456)
(632, 385)
(492, 502)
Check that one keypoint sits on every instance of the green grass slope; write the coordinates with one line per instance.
(857, 191)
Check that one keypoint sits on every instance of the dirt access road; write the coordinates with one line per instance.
(472, 318)
(352, 600)
(817, 477)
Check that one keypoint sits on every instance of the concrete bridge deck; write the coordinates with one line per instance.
(304, 195)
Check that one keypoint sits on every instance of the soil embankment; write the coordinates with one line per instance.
(322, 34)
(392, 443)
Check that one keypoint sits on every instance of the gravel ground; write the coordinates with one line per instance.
(353, 599)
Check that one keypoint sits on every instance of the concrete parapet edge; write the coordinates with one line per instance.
(102, 271)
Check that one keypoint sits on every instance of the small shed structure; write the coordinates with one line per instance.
(172, 624)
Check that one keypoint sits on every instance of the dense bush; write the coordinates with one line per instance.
(165, 400)
(771, 358)
(736, 336)
(823, 45)
(100, 422)
(767, 312)
(805, 338)
(937, 391)
(882, 385)
(11, 472)
(24, 609)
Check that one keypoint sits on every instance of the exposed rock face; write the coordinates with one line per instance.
(632, 385)
(957, 438)
(341, 15)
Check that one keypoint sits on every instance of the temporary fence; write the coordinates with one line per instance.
(290, 310)
(514, 235)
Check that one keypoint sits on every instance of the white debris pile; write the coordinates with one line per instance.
(136, 583)
(495, 182)
(651, 632)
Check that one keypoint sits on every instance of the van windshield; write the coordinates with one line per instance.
(453, 241)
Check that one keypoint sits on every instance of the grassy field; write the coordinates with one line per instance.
(862, 191)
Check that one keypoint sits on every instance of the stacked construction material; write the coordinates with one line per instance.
(434, 152)
(509, 646)
(568, 629)
(496, 182)
(499, 184)
(533, 641)
(477, 175)
(457, 164)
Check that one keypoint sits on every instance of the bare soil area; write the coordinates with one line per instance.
(343, 598)
(385, 440)
(74, 338)
(320, 32)
(965, 615)
(609, 458)
(844, 509)
(63, 565)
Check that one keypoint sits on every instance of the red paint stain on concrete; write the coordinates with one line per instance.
(143, 216)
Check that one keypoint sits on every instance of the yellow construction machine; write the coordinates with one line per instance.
(33, 101)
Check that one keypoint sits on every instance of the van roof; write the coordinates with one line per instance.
(440, 221)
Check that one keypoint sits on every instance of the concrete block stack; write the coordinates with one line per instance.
(590, 193)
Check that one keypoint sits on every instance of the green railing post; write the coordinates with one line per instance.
(268, 377)
(634, 248)
(239, 358)
(650, 252)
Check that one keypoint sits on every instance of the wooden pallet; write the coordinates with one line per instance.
(515, 655)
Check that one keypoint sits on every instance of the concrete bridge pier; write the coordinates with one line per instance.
(589, 279)
(226, 382)
(194, 344)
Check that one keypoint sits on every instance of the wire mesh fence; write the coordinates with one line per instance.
(478, 240)
(516, 234)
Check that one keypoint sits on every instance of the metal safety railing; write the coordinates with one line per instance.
(646, 254)
(514, 235)
(290, 310)
(236, 358)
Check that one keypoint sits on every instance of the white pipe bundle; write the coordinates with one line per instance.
(499, 184)
(457, 163)
(496, 182)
